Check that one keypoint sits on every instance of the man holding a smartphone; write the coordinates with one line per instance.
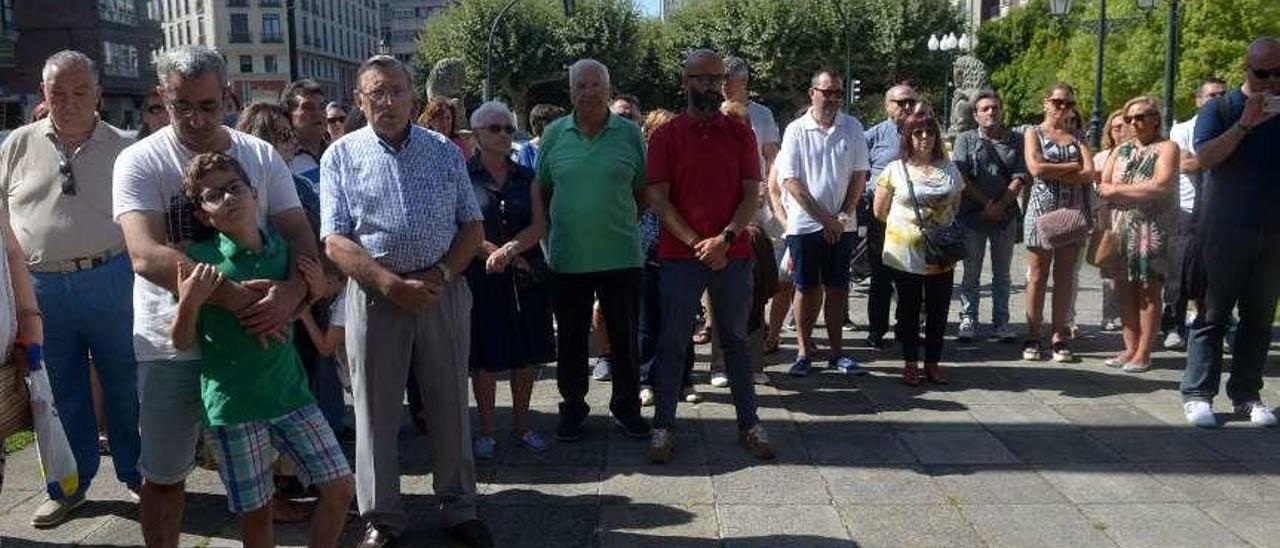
(1236, 138)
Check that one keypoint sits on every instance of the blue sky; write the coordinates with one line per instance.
(649, 7)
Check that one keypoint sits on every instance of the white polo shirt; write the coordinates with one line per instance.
(1183, 135)
(825, 161)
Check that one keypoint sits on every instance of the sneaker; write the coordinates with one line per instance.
(53, 512)
(756, 442)
(1031, 351)
(532, 441)
(135, 493)
(790, 324)
(1003, 334)
(1062, 353)
(1174, 341)
(691, 395)
(848, 366)
(719, 380)
(604, 364)
(760, 378)
(1200, 413)
(800, 368)
(483, 447)
(633, 427)
(967, 330)
(661, 445)
(1258, 412)
(646, 397)
(848, 324)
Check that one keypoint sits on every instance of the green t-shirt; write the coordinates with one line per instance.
(594, 220)
(239, 380)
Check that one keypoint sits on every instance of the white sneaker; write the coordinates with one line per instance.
(719, 380)
(1200, 413)
(1174, 341)
(968, 328)
(691, 395)
(760, 378)
(646, 397)
(1258, 412)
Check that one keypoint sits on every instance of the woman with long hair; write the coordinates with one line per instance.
(441, 116)
(1062, 166)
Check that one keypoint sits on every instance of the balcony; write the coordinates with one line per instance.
(237, 3)
(240, 38)
(269, 3)
(272, 39)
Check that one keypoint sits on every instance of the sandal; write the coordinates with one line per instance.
(703, 336)
(911, 376)
(1062, 352)
(936, 374)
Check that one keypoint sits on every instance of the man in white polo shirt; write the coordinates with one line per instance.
(823, 167)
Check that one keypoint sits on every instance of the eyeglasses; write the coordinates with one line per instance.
(500, 128)
(381, 95)
(1262, 74)
(1131, 119)
(186, 110)
(830, 93)
(154, 109)
(69, 177)
(216, 196)
(906, 104)
(336, 119)
(707, 79)
(925, 132)
(1061, 103)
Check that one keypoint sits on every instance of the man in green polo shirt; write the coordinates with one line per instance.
(255, 395)
(591, 167)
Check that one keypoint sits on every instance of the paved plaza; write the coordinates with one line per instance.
(1011, 454)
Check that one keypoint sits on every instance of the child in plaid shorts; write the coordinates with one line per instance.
(255, 394)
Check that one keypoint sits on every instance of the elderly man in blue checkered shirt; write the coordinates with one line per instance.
(398, 216)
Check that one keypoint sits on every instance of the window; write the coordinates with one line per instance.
(237, 3)
(124, 12)
(269, 64)
(246, 64)
(240, 28)
(306, 33)
(119, 60)
(271, 29)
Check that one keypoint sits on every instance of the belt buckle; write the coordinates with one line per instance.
(83, 264)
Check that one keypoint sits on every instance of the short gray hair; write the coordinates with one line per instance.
(383, 62)
(813, 82)
(889, 92)
(490, 108)
(587, 64)
(190, 62)
(735, 68)
(65, 59)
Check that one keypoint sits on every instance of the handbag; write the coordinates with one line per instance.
(1104, 249)
(1064, 226)
(943, 245)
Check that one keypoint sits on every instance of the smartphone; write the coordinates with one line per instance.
(1272, 104)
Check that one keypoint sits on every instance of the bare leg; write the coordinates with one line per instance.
(807, 304)
(599, 331)
(1148, 300)
(521, 392)
(1064, 275)
(484, 386)
(778, 309)
(256, 528)
(331, 512)
(162, 507)
(837, 302)
(1038, 265)
(1127, 305)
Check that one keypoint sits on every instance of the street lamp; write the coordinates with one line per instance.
(569, 10)
(947, 45)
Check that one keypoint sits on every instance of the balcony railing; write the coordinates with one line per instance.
(241, 38)
(272, 39)
(269, 3)
(237, 3)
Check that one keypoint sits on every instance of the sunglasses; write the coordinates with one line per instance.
(1131, 119)
(1060, 103)
(500, 128)
(830, 93)
(1262, 74)
(216, 196)
(922, 133)
(69, 177)
(904, 103)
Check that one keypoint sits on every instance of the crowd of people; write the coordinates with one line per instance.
(230, 285)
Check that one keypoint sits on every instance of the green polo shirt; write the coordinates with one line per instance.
(239, 380)
(594, 219)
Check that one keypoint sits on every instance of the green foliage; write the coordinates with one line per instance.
(19, 441)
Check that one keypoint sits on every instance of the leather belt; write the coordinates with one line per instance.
(79, 264)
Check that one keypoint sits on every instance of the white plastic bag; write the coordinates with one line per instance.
(56, 460)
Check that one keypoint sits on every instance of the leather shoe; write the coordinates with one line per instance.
(473, 533)
(373, 538)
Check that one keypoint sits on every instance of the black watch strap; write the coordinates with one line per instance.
(729, 235)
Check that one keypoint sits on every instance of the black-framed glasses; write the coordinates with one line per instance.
(1061, 103)
(1263, 74)
(1131, 119)
(216, 196)
(830, 93)
(186, 110)
(68, 177)
(501, 128)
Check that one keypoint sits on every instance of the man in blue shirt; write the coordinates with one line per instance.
(882, 140)
(1236, 139)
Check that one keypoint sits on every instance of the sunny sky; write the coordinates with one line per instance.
(649, 7)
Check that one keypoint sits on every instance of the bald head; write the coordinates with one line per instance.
(701, 58)
(899, 100)
(1263, 47)
(1263, 59)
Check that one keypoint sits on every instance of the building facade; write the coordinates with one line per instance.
(403, 21)
(117, 34)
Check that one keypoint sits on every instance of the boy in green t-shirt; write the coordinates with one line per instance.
(255, 395)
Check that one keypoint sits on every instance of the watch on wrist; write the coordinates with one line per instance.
(1244, 128)
(445, 272)
(729, 235)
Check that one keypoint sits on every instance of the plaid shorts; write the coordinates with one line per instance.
(246, 451)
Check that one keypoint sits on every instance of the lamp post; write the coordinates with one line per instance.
(949, 45)
(569, 10)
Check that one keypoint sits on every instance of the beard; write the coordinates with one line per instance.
(705, 101)
(830, 109)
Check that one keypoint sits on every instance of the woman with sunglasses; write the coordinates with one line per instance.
(154, 115)
(923, 186)
(1117, 133)
(1138, 184)
(1062, 166)
(511, 310)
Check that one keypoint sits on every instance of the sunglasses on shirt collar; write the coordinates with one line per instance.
(68, 177)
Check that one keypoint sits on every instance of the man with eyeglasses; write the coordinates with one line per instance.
(305, 102)
(400, 219)
(158, 224)
(335, 120)
(823, 167)
(883, 146)
(1190, 182)
(56, 177)
(1236, 139)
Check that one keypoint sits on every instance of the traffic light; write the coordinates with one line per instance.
(855, 90)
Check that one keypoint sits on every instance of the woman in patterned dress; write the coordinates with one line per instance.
(1139, 183)
(1063, 169)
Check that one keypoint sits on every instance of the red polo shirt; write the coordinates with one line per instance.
(704, 162)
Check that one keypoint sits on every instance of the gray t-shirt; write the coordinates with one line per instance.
(989, 165)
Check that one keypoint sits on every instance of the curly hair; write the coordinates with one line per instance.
(267, 121)
(202, 165)
(654, 120)
(434, 108)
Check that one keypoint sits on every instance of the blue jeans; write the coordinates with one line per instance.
(1002, 241)
(683, 282)
(650, 325)
(1242, 268)
(90, 313)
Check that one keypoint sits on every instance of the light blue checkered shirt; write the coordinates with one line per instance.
(403, 207)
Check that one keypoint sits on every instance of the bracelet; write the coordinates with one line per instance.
(22, 313)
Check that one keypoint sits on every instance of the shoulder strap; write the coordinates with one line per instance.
(911, 188)
(995, 156)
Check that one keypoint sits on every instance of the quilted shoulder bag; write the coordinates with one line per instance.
(1064, 226)
(943, 245)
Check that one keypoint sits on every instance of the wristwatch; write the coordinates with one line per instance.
(729, 235)
(445, 273)
(1243, 128)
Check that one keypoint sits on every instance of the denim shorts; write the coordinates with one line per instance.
(247, 450)
(170, 417)
(818, 263)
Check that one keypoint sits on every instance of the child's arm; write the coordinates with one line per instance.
(334, 340)
(317, 336)
(195, 284)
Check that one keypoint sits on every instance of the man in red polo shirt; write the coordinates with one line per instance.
(703, 171)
